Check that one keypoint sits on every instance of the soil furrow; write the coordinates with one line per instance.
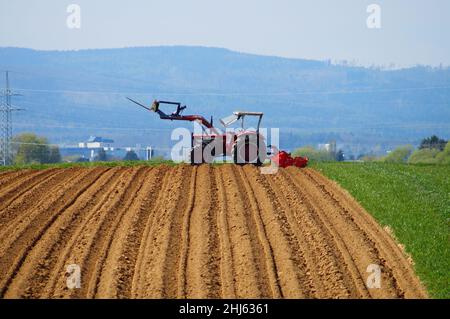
(160, 265)
(316, 265)
(202, 266)
(98, 253)
(90, 236)
(185, 236)
(9, 177)
(324, 246)
(226, 258)
(362, 250)
(12, 192)
(290, 264)
(268, 270)
(34, 196)
(66, 232)
(137, 285)
(117, 274)
(177, 234)
(26, 217)
(40, 268)
(248, 255)
(401, 271)
(15, 255)
(17, 178)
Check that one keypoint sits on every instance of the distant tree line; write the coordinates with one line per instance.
(433, 142)
(28, 148)
(432, 150)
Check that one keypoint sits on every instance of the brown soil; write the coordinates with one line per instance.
(192, 232)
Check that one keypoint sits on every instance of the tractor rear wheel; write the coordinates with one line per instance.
(246, 151)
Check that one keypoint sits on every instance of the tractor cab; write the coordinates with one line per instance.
(247, 144)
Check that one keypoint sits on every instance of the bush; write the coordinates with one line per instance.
(340, 156)
(444, 156)
(369, 158)
(131, 156)
(32, 149)
(399, 155)
(431, 156)
(425, 156)
(314, 154)
(101, 156)
(55, 155)
(433, 142)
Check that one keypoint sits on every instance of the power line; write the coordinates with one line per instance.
(371, 126)
(356, 91)
(75, 146)
(6, 110)
(40, 144)
(100, 128)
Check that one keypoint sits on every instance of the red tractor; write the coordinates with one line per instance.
(243, 145)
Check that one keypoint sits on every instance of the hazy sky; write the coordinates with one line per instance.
(412, 31)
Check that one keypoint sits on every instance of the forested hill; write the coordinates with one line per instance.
(69, 95)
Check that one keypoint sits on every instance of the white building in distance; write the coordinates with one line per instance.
(95, 142)
(329, 147)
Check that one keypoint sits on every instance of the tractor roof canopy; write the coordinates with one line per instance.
(240, 115)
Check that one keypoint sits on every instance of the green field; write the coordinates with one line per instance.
(414, 200)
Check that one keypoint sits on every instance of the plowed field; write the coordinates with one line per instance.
(197, 232)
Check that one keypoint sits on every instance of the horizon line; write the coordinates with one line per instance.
(337, 62)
